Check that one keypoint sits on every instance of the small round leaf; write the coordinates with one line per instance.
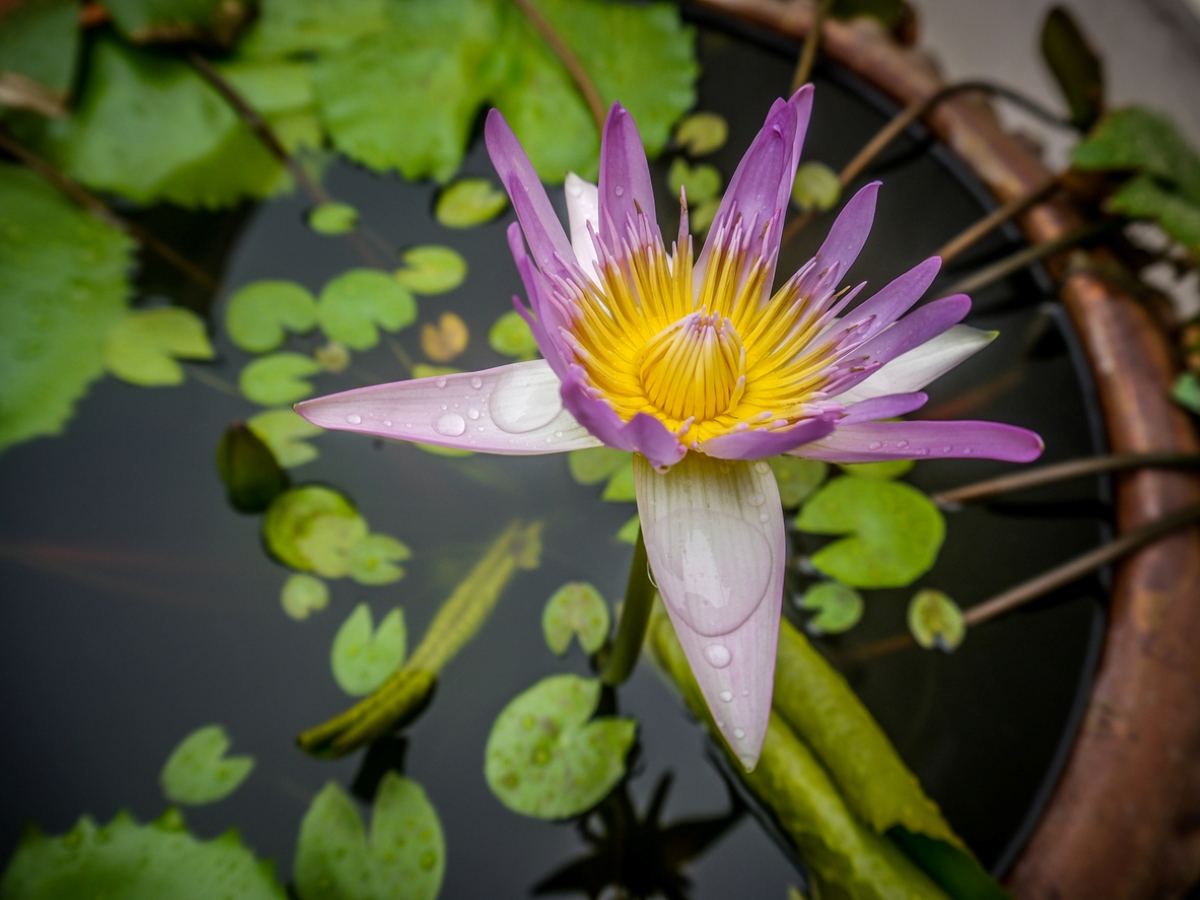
(445, 340)
(575, 608)
(356, 304)
(936, 621)
(199, 772)
(702, 133)
(510, 335)
(290, 519)
(329, 543)
(838, 607)
(303, 595)
(142, 347)
(816, 187)
(373, 559)
(260, 314)
(431, 269)
(362, 658)
(284, 432)
(701, 182)
(278, 379)
(890, 468)
(797, 478)
(333, 218)
(470, 202)
(593, 465)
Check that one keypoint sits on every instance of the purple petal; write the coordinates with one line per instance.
(511, 410)
(643, 433)
(849, 232)
(715, 539)
(549, 318)
(760, 443)
(540, 223)
(876, 441)
(625, 185)
(894, 300)
(886, 407)
(918, 367)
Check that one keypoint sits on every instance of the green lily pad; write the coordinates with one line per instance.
(403, 859)
(425, 370)
(838, 607)
(363, 657)
(329, 543)
(469, 202)
(936, 621)
(272, 87)
(439, 450)
(628, 533)
(142, 347)
(702, 133)
(891, 468)
(40, 40)
(576, 608)
(290, 519)
(249, 470)
(595, 464)
(896, 531)
(63, 284)
(620, 487)
(260, 314)
(303, 595)
(288, 27)
(510, 335)
(816, 187)
(700, 182)
(198, 771)
(797, 478)
(547, 758)
(1186, 392)
(432, 269)
(701, 218)
(373, 559)
(284, 432)
(333, 218)
(144, 21)
(278, 378)
(357, 303)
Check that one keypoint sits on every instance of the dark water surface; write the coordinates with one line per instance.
(139, 606)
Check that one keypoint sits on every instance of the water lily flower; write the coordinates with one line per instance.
(703, 372)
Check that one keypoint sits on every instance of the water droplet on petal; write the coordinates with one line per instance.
(524, 401)
(477, 382)
(747, 761)
(757, 499)
(874, 445)
(353, 420)
(387, 423)
(727, 696)
(619, 191)
(472, 414)
(739, 733)
(746, 692)
(947, 449)
(762, 467)
(901, 444)
(718, 655)
(763, 517)
(451, 425)
(441, 382)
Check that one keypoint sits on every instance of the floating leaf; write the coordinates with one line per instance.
(1137, 139)
(274, 86)
(333, 357)
(439, 450)
(424, 370)
(891, 468)
(304, 595)
(1144, 198)
(142, 347)
(547, 758)
(628, 533)
(63, 284)
(285, 28)
(1187, 392)
(838, 607)
(127, 861)
(290, 519)
(593, 465)
(329, 543)
(700, 182)
(362, 657)
(284, 432)
(575, 608)
(278, 378)
(702, 133)
(446, 340)
(620, 487)
(432, 269)
(249, 469)
(816, 187)
(354, 303)
(198, 771)
(510, 335)
(40, 41)
(373, 559)
(260, 314)
(797, 478)
(404, 858)
(896, 531)
(1075, 66)
(701, 218)
(333, 218)
(936, 621)
(469, 202)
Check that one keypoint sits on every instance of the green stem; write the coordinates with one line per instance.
(635, 614)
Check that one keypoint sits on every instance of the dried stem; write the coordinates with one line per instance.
(812, 41)
(102, 211)
(996, 218)
(567, 57)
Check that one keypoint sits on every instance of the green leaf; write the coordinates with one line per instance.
(701, 218)
(628, 533)
(1187, 392)
(955, 870)
(63, 284)
(1141, 140)
(700, 182)
(278, 378)
(198, 771)
(329, 543)
(575, 608)
(303, 595)
(796, 477)
(547, 758)
(285, 27)
(439, 450)
(333, 218)
(936, 621)
(40, 40)
(127, 861)
(510, 335)
(260, 314)
(150, 128)
(838, 607)
(817, 187)
(362, 658)
(356, 302)
(424, 370)
(432, 269)
(896, 531)
(403, 859)
(284, 432)
(595, 464)
(1144, 198)
(469, 202)
(272, 87)
(702, 133)
(142, 347)
(620, 487)
(1075, 66)
(891, 468)
(249, 470)
(373, 559)
(290, 520)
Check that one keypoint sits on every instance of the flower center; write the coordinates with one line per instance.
(695, 368)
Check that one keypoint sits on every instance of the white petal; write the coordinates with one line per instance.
(583, 206)
(715, 539)
(512, 410)
(913, 370)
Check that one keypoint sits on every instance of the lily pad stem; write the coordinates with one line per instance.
(812, 41)
(567, 57)
(635, 614)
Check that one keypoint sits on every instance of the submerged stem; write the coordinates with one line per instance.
(567, 57)
(812, 41)
(635, 614)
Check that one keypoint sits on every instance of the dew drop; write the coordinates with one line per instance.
(619, 191)
(901, 444)
(353, 420)
(763, 517)
(947, 449)
(739, 733)
(387, 423)
(441, 382)
(746, 692)
(481, 428)
(761, 467)
(451, 425)
(718, 655)
(757, 499)
(444, 407)
(727, 696)
(747, 761)
(966, 451)
(524, 401)
(477, 382)
(558, 434)
(874, 445)
(472, 414)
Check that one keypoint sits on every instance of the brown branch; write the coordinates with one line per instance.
(996, 218)
(567, 57)
(812, 41)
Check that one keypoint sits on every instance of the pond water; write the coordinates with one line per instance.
(140, 606)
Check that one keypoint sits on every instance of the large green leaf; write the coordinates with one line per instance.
(63, 285)
(285, 27)
(127, 861)
(40, 40)
(1141, 140)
